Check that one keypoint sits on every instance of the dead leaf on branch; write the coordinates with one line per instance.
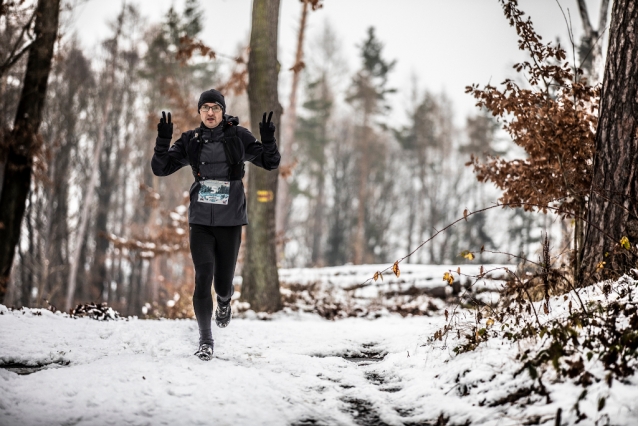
(314, 4)
(285, 170)
(298, 67)
(467, 254)
(395, 269)
(448, 277)
(188, 46)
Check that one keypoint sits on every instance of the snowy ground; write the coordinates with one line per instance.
(293, 369)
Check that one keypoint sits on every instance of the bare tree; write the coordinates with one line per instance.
(18, 34)
(87, 201)
(590, 49)
(23, 139)
(290, 123)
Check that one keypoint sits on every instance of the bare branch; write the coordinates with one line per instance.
(13, 57)
(602, 18)
(11, 60)
(582, 8)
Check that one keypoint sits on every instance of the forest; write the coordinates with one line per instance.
(533, 196)
(99, 227)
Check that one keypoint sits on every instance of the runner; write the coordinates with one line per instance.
(216, 152)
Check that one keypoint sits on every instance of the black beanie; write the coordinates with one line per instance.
(212, 96)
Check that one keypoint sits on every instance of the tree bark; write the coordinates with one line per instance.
(23, 139)
(260, 285)
(613, 204)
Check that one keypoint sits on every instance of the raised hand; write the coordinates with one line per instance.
(267, 129)
(165, 127)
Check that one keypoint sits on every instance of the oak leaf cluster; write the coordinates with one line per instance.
(553, 118)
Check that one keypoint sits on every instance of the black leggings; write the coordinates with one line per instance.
(214, 251)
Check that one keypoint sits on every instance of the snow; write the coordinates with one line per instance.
(418, 275)
(287, 369)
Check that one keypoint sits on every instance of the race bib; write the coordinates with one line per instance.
(214, 192)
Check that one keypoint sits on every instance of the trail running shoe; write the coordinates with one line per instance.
(222, 315)
(205, 352)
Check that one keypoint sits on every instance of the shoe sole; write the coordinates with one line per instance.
(204, 357)
(221, 324)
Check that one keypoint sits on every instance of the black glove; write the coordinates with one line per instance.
(267, 129)
(165, 127)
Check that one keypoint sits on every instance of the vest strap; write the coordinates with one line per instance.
(236, 167)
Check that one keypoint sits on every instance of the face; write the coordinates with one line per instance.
(213, 116)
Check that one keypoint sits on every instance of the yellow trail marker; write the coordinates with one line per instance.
(265, 196)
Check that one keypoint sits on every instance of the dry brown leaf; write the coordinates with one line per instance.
(395, 269)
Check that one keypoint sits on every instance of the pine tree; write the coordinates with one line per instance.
(313, 135)
(368, 94)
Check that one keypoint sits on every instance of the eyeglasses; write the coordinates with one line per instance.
(214, 108)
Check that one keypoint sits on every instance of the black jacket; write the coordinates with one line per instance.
(207, 144)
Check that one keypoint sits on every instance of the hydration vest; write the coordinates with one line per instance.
(232, 147)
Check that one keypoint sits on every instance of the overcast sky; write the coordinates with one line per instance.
(447, 44)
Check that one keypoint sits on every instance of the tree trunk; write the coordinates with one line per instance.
(614, 195)
(318, 224)
(260, 285)
(87, 201)
(23, 140)
(87, 204)
(288, 132)
(105, 191)
(360, 243)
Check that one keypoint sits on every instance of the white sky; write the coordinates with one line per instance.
(447, 44)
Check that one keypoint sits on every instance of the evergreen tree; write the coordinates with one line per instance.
(368, 94)
(313, 136)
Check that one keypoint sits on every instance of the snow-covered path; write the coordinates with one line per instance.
(286, 371)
